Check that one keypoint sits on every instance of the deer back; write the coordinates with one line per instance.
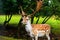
(41, 27)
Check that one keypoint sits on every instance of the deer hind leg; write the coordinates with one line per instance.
(47, 35)
(36, 36)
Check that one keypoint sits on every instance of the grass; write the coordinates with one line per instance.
(6, 38)
(55, 24)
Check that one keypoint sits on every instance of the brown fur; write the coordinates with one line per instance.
(40, 27)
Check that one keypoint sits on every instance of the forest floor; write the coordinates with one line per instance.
(10, 34)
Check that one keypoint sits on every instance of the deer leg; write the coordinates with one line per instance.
(31, 35)
(32, 38)
(47, 35)
(36, 37)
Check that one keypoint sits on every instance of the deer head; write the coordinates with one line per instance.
(26, 17)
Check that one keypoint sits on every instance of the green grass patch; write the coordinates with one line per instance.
(8, 38)
(15, 19)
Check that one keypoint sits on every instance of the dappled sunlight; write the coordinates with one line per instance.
(35, 19)
(2, 19)
(15, 19)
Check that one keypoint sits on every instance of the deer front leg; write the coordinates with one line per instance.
(32, 38)
(47, 35)
(31, 35)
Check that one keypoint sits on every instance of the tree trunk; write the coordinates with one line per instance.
(47, 18)
(32, 19)
(37, 20)
(19, 25)
(21, 30)
(44, 19)
(7, 19)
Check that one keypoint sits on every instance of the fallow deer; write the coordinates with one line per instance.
(35, 30)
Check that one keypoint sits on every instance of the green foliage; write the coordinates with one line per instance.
(7, 38)
(50, 7)
(10, 6)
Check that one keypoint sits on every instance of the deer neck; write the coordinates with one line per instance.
(28, 26)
